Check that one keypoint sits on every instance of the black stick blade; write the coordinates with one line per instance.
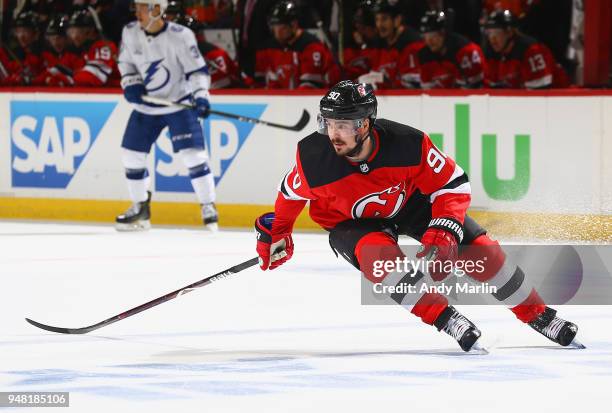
(58, 329)
(302, 122)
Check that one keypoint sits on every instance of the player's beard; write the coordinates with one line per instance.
(349, 151)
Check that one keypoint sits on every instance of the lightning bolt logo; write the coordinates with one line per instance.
(151, 70)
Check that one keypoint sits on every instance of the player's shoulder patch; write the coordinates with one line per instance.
(130, 31)
(400, 145)
(320, 164)
(175, 27)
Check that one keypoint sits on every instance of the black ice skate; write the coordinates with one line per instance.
(556, 329)
(210, 217)
(460, 328)
(137, 218)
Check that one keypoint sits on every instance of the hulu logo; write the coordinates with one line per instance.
(496, 188)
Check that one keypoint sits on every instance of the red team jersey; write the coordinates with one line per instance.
(359, 60)
(529, 64)
(93, 65)
(398, 62)
(462, 64)
(404, 162)
(64, 63)
(223, 70)
(305, 64)
(100, 66)
(21, 68)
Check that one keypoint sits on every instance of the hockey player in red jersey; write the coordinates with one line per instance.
(397, 65)
(21, 66)
(361, 51)
(515, 60)
(369, 180)
(449, 60)
(223, 70)
(99, 56)
(59, 58)
(295, 59)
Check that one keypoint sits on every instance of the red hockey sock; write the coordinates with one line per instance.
(529, 309)
(429, 307)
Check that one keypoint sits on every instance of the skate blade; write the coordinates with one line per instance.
(212, 227)
(575, 344)
(133, 227)
(478, 349)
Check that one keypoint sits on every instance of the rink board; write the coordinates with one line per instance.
(528, 156)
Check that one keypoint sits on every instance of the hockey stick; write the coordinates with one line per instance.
(187, 289)
(301, 124)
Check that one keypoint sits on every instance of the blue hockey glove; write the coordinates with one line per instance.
(134, 93)
(203, 107)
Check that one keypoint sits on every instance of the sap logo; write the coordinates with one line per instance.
(49, 140)
(224, 138)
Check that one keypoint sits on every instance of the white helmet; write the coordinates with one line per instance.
(163, 4)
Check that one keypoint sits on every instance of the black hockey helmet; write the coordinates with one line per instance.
(500, 19)
(365, 13)
(27, 19)
(174, 7)
(57, 25)
(390, 7)
(283, 12)
(349, 100)
(433, 21)
(81, 18)
(187, 21)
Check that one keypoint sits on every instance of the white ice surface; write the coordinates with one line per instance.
(295, 339)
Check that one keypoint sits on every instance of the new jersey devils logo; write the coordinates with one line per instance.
(385, 204)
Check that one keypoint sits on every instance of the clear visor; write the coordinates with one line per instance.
(343, 127)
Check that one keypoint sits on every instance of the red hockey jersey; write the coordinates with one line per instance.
(461, 64)
(398, 63)
(305, 64)
(404, 160)
(529, 64)
(223, 70)
(359, 60)
(20, 68)
(100, 68)
(57, 67)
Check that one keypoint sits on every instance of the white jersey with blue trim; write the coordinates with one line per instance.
(168, 63)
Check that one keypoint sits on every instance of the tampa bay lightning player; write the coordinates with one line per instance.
(162, 59)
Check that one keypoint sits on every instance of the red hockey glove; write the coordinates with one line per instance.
(439, 246)
(273, 249)
(58, 79)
